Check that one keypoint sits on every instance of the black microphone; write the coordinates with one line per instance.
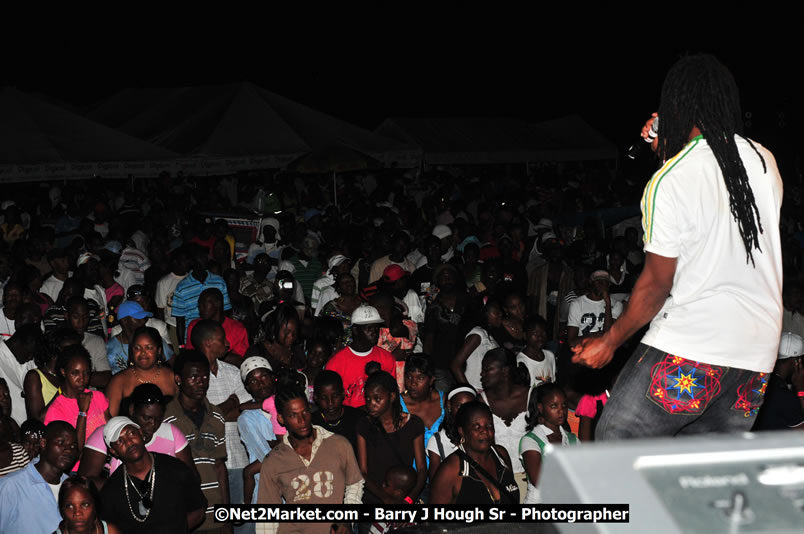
(636, 149)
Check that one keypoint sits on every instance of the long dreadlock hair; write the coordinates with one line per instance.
(700, 91)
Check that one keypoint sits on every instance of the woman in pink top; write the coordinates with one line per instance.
(85, 409)
(146, 407)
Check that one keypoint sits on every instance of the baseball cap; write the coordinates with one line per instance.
(547, 236)
(310, 246)
(544, 224)
(441, 231)
(286, 265)
(600, 275)
(393, 272)
(366, 315)
(273, 223)
(113, 428)
(132, 309)
(137, 290)
(468, 240)
(252, 363)
(85, 257)
(790, 346)
(336, 260)
(115, 247)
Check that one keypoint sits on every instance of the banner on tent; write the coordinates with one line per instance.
(138, 169)
(199, 166)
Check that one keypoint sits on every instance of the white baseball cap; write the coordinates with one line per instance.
(113, 428)
(600, 275)
(790, 346)
(441, 231)
(252, 363)
(336, 260)
(366, 315)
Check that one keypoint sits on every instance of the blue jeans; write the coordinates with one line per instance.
(236, 497)
(660, 394)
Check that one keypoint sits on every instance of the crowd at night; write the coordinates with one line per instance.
(383, 336)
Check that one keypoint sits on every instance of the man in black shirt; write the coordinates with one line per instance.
(784, 396)
(150, 493)
(332, 414)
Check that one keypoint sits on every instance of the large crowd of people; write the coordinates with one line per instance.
(161, 356)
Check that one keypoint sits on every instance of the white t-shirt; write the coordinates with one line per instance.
(540, 372)
(52, 287)
(14, 373)
(98, 294)
(446, 444)
(475, 360)
(55, 488)
(164, 295)
(327, 294)
(416, 308)
(509, 435)
(135, 261)
(722, 310)
(533, 496)
(125, 277)
(589, 316)
(96, 347)
(7, 326)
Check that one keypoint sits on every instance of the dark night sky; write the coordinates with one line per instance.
(451, 72)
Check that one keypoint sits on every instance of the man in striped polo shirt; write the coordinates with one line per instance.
(185, 296)
(203, 425)
(712, 280)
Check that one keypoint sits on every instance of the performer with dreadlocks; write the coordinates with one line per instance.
(712, 280)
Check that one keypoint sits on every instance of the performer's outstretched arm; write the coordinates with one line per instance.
(650, 292)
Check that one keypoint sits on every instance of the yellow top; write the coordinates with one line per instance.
(48, 389)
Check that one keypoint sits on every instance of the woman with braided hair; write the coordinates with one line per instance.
(712, 279)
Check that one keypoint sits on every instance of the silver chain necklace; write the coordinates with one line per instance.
(146, 501)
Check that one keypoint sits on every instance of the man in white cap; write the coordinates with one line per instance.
(255, 425)
(267, 239)
(593, 312)
(323, 288)
(127, 497)
(784, 390)
(444, 233)
(351, 362)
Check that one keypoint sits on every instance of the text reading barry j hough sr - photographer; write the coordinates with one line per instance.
(575, 513)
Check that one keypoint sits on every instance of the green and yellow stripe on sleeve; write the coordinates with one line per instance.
(648, 203)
